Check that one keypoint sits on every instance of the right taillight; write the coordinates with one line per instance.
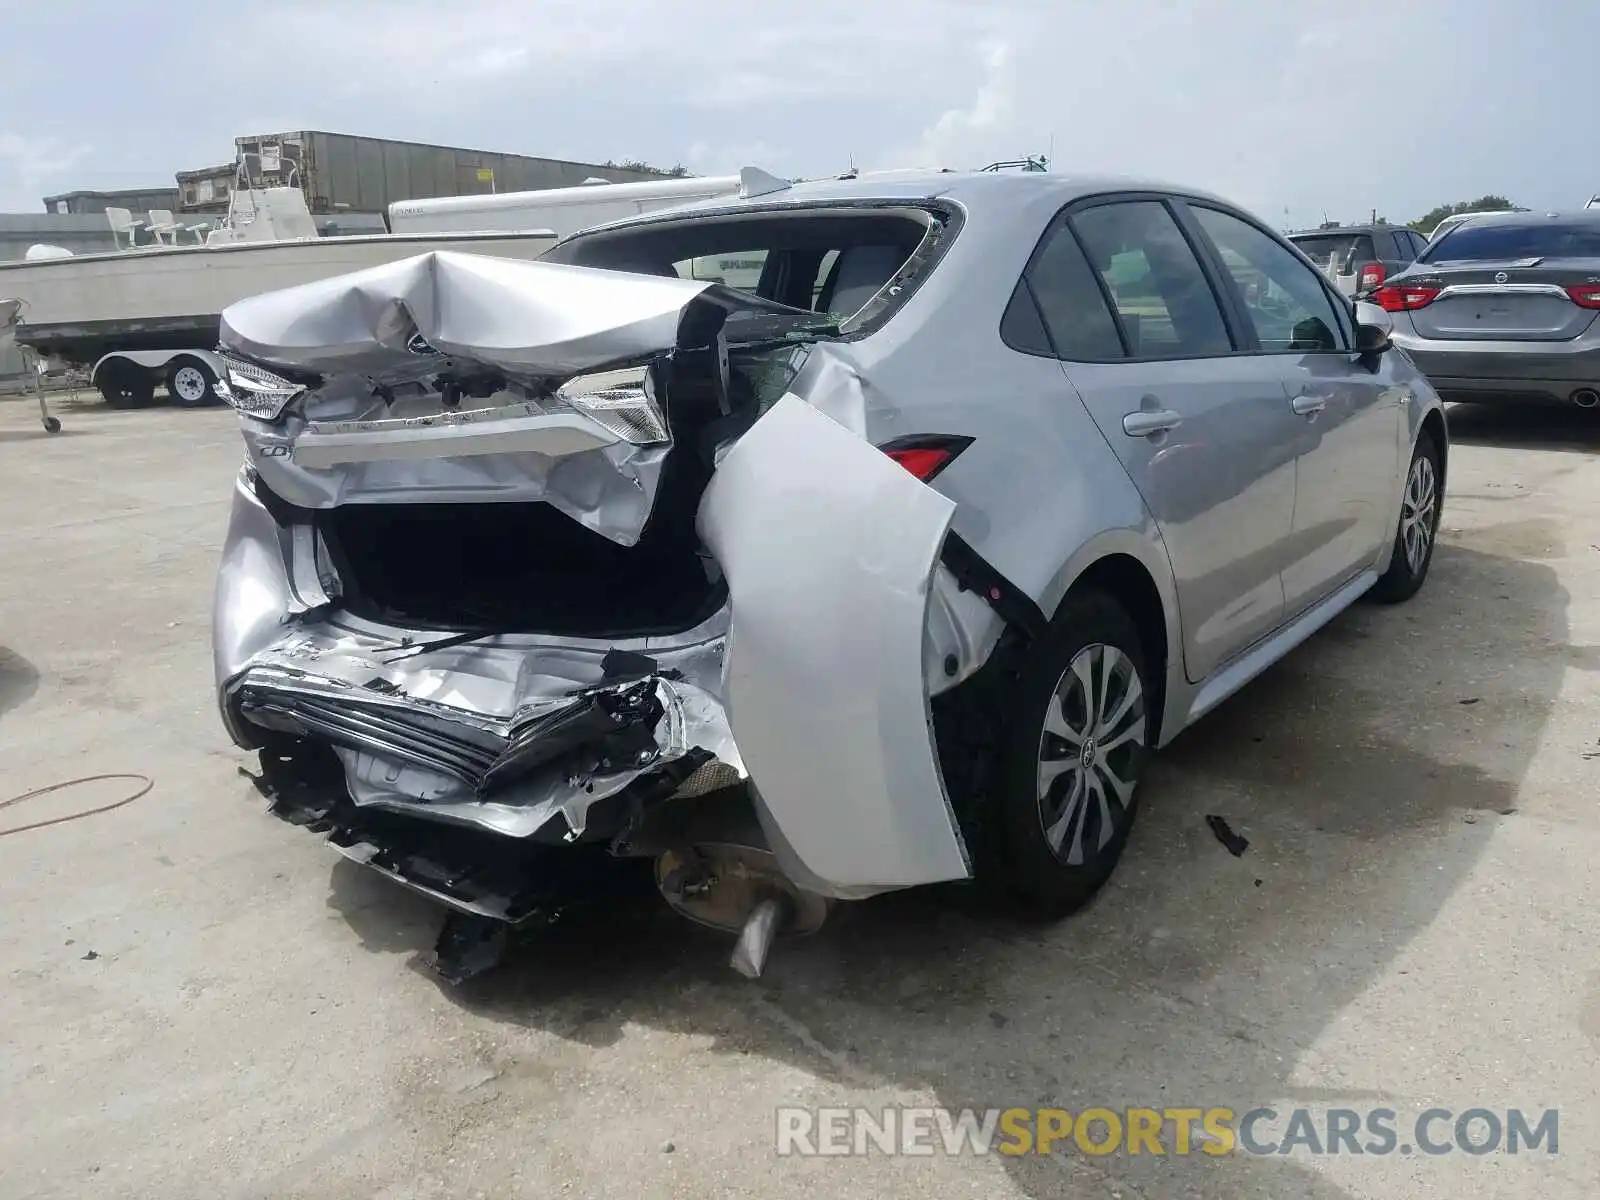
(1371, 276)
(1585, 295)
(1400, 297)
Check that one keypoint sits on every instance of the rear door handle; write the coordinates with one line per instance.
(1149, 422)
(1309, 406)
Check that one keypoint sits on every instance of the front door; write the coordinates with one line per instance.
(1349, 420)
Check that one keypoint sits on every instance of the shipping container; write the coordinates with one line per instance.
(137, 200)
(340, 172)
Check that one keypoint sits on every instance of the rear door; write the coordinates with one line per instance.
(829, 548)
(1202, 428)
(1347, 419)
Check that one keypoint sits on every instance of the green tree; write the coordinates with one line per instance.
(1425, 223)
(632, 164)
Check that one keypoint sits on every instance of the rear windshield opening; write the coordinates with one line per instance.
(1505, 240)
(835, 260)
(1350, 247)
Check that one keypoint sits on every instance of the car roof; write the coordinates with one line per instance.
(989, 190)
(1582, 216)
(1338, 230)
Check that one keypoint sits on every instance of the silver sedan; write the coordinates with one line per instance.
(891, 566)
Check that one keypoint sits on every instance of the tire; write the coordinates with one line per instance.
(191, 383)
(1416, 531)
(1058, 848)
(126, 387)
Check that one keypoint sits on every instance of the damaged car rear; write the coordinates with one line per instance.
(889, 566)
(536, 567)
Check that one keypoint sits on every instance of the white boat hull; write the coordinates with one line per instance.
(89, 303)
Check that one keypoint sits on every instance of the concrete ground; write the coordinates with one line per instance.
(201, 1001)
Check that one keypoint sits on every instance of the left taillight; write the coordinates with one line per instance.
(1404, 298)
(253, 390)
(1372, 276)
(925, 455)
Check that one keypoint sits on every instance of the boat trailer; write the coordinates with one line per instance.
(10, 318)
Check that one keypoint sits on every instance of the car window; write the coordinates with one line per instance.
(839, 258)
(1545, 237)
(1284, 299)
(741, 269)
(1351, 248)
(1071, 304)
(1163, 300)
(1418, 243)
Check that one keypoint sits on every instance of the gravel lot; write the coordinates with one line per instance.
(201, 1001)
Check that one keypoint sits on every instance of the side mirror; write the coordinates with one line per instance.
(1374, 333)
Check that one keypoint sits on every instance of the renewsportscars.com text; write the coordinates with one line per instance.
(1165, 1131)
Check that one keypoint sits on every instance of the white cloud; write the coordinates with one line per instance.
(705, 158)
(970, 136)
(29, 164)
(34, 158)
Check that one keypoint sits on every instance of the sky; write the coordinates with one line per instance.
(1299, 110)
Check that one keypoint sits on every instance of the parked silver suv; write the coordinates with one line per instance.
(890, 571)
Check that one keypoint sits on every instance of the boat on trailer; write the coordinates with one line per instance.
(143, 315)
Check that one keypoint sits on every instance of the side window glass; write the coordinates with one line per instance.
(1284, 300)
(1021, 327)
(1164, 303)
(1070, 300)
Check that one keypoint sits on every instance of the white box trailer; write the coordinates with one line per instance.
(564, 210)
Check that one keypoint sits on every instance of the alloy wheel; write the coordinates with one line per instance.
(1416, 512)
(1090, 752)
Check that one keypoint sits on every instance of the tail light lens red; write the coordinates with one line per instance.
(1585, 295)
(1372, 275)
(1404, 298)
(925, 455)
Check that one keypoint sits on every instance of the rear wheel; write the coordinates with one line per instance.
(1418, 527)
(191, 383)
(1073, 756)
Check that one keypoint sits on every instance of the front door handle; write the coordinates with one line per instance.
(1309, 405)
(1149, 422)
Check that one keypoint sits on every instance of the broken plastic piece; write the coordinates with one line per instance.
(468, 946)
(1234, 844)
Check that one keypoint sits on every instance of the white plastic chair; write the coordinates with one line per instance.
(162, 224)
(122, 222)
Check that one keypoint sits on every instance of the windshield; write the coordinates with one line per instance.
(1504, 240)
(1318, 247)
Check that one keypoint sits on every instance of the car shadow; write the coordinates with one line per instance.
(1526, 427)
(19, 680)
(1367, 770)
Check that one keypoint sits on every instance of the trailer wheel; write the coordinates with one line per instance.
(126, 386)
(191, 383)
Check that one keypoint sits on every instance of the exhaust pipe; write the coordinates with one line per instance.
(1586, 398)
(755, 939)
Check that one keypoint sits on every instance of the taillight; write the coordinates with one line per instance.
(925, 455)
(1372, 275)
(1404, 298)
(1585, 295)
